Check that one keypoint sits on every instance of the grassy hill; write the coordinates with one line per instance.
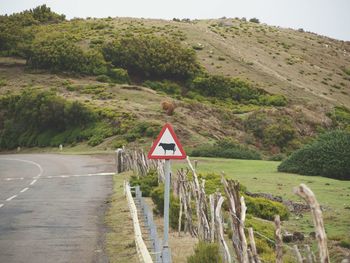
(310, 72)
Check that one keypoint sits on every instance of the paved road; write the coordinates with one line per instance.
(51, 207)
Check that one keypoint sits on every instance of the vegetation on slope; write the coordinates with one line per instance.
(41, 118)
(152, 57)
(225, 149)
(178, 59)
(328, 156)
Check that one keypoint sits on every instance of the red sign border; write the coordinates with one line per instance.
(156, 142)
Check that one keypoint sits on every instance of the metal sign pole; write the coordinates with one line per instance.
(166, 202)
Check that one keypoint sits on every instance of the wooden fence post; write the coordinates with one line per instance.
(278, 238)
(297, 254)
(303, 191)
(252, 245)
(220, 229)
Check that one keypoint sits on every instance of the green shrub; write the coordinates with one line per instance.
(119, 75)
(222, 87)
(226, 149)
(167, 87)
(265, 208)
(345, 244)
(272, 130)
(273, 100)
(103, 78)
(58, 53)
(95, 140)
(205, 253)
(340, 116)
(279, 134)
(212, 183)
(146, 183)
(254, 20)
(15, 31)
(40, 118)
(347, 71)
(328, 156)
(43, 14)
(277, 157)
(157, 195)
(151, 56)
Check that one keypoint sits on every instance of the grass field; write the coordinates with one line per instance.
(262, 176)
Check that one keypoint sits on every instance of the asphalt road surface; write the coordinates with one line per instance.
(52, 206)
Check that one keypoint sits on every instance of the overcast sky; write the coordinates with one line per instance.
(325, 17)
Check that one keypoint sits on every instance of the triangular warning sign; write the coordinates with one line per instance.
(167, 146)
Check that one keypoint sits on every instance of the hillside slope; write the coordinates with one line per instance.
(311, 71)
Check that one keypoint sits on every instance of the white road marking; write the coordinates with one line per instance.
(33, 182)
(103, 174)
(40, 174)
(58, 176)
(12, 197)
(11, 179)
(26, 161)
(25, 189)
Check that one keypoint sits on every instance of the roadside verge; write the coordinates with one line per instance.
(120, 244)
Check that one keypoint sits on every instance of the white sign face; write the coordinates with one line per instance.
(167, 146)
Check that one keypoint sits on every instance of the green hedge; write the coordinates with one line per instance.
(225, 149)
(329, 156)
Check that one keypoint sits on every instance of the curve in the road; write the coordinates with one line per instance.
(35, 179)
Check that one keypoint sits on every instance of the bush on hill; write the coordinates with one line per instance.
(226, 149)
(327, 156)
(26, 116)
(152, 57)
(58, 53)
(225, 88)
(16, 33)
(254, 20)
(165, 86)
(272, 130)
(340, 117)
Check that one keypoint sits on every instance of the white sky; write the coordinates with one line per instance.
(325, 17)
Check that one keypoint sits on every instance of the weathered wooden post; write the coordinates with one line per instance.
(278, 238)
(303, 191)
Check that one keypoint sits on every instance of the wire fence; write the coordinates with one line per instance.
(157, 253)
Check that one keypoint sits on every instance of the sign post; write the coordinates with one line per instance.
(167, 172)
(166, 147)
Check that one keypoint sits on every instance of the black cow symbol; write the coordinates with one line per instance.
(168, 147)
